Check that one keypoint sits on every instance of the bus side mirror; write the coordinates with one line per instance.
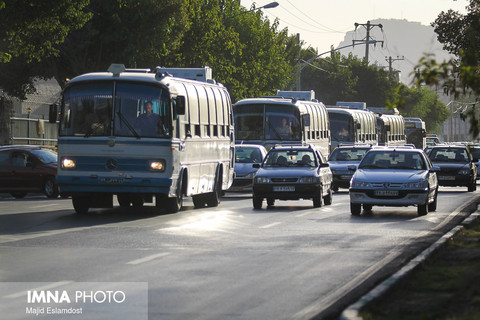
(388, 128)
(52, 113)
(358, 126)
(306, 120)
(180, 105)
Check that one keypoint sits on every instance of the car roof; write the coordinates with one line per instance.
(393, 149)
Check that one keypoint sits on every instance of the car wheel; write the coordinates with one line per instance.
(317, 199)
(81, 204)
(257, 202)
(328, 199)
(50, 188)
(18, 195)
(433, 206)
(367, 207)
(422, 209)
(270, 202)
(355, 208)
(472, 186)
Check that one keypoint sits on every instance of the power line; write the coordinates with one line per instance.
(368, 26)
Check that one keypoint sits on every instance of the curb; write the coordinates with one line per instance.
(352, 312)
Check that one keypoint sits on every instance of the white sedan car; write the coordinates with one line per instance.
(394, 177)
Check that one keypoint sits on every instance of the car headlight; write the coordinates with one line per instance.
(251, 175)
(464, 171)
(416, 184)
(68, 163)
(262, 180)
(309, 179)
(354, 183)
(157, 165)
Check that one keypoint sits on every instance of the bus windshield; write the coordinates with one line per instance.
(138, 110)
(341, 127)
(264, 121)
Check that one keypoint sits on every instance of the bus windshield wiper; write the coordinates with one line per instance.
(129, 126)
(274, 130)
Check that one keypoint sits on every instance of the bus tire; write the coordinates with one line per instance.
(137, 201)
(123, 200)
(175, 204)
(81, 204)
(198, 201)
(213, 198)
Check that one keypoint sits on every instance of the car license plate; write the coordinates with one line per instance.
(450, 178)
(110, 180)
(283, 188)
(386, 192)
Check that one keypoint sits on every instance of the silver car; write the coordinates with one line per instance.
(394, 177)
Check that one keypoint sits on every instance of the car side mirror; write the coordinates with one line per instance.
(475, 160)
(352, 168)
(256, 165)
(435, 169)
(324, 165)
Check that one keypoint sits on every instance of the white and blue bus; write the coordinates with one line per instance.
(291, 117)
(144, 135)
(391, 130)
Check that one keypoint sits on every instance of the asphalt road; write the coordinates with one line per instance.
(231, 262)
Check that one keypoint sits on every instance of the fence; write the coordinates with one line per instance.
(30, 130)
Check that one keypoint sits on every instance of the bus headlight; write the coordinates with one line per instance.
(68, 163)
(157, 165)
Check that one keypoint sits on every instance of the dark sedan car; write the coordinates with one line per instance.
(457, 166)
(341, 159)
(28, 169)
(292, 173)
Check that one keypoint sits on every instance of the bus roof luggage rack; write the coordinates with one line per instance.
(199, 74)
(298, 95)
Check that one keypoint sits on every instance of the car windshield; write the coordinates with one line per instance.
(449, 155)
(290, 158)
(347, 154)
(45, 156)
(393, 159)
(247, 155)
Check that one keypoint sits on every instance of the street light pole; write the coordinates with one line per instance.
(267, 6)
(306, 63)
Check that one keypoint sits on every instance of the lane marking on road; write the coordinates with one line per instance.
(45, 287)
(270, 225)
(148, 258)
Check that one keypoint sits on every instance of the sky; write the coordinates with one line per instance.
(323, 23)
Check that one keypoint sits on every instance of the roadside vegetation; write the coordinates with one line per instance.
(445, 286)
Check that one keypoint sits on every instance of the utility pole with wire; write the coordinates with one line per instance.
(368, 26)
(390, 62)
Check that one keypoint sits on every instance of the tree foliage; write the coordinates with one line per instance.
(34, 29)
(348, 78)
(459, 76)
(247, 53)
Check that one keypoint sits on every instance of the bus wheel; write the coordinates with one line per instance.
(213, 198)
(175, 204)
(137, 201)
(198, 200)
(123, 200)
(81, 204)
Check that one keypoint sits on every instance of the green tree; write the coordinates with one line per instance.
(459, 76)
(34, 29)
(421, 103)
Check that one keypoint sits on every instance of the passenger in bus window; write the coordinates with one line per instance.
(285, 131)
(149, 123)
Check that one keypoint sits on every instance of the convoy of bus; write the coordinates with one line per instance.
(288, 118)
(141, 135)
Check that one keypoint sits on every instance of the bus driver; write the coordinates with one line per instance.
(149, 122)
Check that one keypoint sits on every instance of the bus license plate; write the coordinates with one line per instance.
(386, 192)
(284, 188)
(110, 180)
